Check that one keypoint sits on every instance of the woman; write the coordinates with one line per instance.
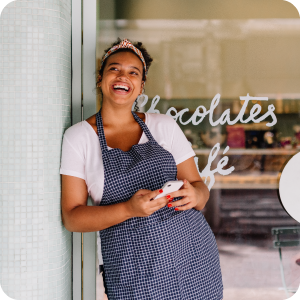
(152, 249)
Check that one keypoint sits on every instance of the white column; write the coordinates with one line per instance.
(35, 109)
(77, 117)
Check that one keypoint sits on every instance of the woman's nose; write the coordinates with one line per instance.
(122, 75)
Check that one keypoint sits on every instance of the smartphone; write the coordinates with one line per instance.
(169, 187)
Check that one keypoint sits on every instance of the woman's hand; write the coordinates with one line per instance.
(141, 205)
(78, 217)
(193, 196)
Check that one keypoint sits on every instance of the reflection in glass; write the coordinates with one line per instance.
(194, 60)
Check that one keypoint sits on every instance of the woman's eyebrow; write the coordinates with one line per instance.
(136, 68)
(115, 63)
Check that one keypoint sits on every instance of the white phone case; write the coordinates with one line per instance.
(169, 187)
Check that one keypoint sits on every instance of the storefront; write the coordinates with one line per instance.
(230, 78)
(227, 71)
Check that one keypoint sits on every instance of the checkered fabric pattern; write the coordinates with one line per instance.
(168, 255)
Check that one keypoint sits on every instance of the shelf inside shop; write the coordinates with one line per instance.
(242, 151)
(251, 180)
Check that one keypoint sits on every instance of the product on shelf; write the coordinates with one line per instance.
(235, 136)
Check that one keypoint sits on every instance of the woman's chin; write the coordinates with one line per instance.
(117, 103)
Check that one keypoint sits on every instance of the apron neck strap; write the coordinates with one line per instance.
(143, 126)
(100, 130)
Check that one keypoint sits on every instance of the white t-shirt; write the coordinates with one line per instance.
(81, 151)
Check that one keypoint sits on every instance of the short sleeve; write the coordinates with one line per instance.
(181, 148)
(72, 159)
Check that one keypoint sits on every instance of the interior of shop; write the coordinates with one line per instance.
(228, 72)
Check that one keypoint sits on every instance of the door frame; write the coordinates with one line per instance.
(83, 106)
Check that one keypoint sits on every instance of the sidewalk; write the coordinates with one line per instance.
(250, 269)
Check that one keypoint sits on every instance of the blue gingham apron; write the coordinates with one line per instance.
(167, 255)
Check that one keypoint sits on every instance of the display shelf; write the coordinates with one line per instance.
(251, 180)
(245, 186)
(240, 151)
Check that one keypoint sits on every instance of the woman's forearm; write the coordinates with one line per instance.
(202, 194)
(94, 218)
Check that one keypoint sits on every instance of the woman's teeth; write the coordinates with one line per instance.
(121, 87)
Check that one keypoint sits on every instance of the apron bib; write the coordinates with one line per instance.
(167, 255)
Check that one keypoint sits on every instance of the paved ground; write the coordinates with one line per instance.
(250, 269)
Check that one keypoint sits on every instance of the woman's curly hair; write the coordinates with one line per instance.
(148, 59)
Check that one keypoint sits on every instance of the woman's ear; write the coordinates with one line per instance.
(142, 87)
(99, 79)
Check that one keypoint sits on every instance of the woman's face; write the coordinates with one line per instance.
(122, 79)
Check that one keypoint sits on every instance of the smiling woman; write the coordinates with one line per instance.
(152, 249)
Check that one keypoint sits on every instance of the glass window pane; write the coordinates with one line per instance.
(228, 72)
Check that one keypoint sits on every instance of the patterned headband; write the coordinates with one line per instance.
(125, 44)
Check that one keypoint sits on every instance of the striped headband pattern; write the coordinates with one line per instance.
(125, 44)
